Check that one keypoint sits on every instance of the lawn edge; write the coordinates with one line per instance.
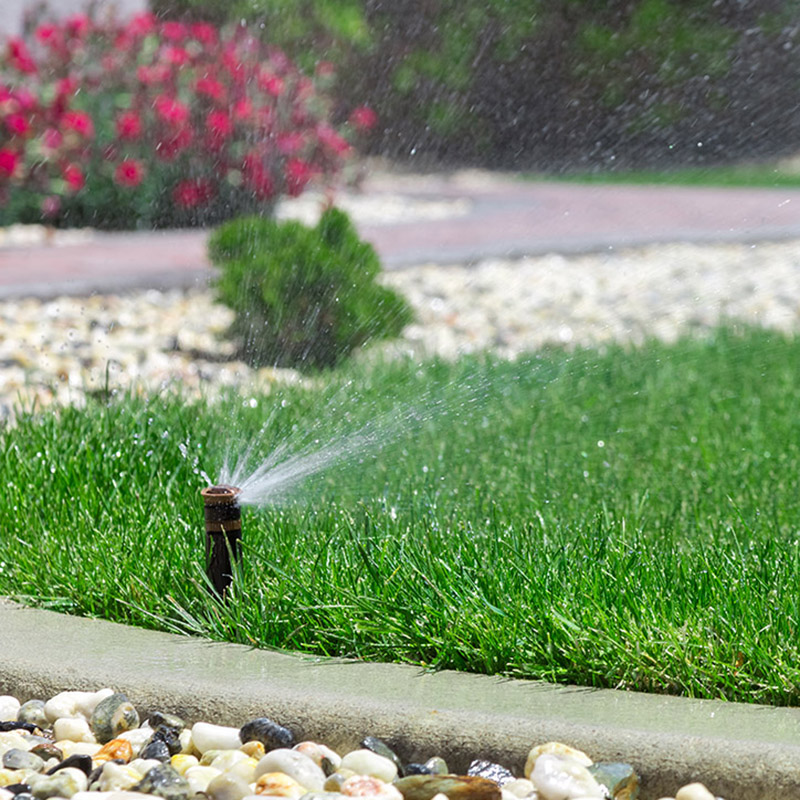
(740, 751)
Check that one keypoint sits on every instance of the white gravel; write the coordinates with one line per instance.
(61, 349)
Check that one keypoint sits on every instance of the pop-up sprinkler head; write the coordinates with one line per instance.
(223, 534)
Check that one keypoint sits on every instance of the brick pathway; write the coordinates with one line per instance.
(506, 218)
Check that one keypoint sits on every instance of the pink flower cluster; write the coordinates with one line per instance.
(204, 113)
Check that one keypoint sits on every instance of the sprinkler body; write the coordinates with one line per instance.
(223, 517)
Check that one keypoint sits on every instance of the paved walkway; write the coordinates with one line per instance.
(505, 218)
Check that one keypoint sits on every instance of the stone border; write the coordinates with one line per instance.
(740, 752)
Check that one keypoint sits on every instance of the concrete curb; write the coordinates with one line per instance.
(740, 752)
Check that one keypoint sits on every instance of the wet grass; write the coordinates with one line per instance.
(763, 176)
(625, 518)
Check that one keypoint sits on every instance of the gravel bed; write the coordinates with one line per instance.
(62, 349)
(95, 746)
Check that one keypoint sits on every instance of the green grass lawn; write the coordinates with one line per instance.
(624, 518)
(773, 176)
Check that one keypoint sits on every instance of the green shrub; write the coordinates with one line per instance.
(304, 297)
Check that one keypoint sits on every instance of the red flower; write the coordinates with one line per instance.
(142, 24)
(172, 111)
(271, 84)
(174, 31)
(78, 121)
(219, 124)
(290, 143)
(19, 57)
(242, 109)
(210, 87)
(17, 124)
(257, 177)
(204, 32)
(52, 139)
(363, 118)
(78, 25)
(8, 162)
(129, 126)
(66, 86)
(129, 172)
(332, 140)
(233, 64)
(176, 55)
(298, 173)
(74, 177)
(192, 193)
(172, 145)
(48, 35)
(154, 75)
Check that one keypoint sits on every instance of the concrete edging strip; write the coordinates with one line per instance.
(740, 752)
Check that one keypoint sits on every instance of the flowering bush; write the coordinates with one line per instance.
(157, 124)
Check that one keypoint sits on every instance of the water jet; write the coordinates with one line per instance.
(223, 522)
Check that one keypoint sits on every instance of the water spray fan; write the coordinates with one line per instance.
(223, 519)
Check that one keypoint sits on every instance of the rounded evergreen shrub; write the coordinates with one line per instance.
(304, 297)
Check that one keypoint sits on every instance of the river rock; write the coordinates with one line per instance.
(437, 766)
(278, 784)
(456, 787)
(16, 758)
(74, 704)
(115, 750)
(493, 772)
(64, 783)
(79, 761)
(557, 778)
(158, 719)
(138, 738)
(269, 733)
(9, 707)
(12, 741)
(294, 764)
(200, 776)
(157, 749)
(113, 715)
(117, 777)
(367, 786)
(206, 736)
(328, 760)
(382, 749)
(171, 738)
(165, 782)
(520, 787)
(322, 796)
(73, 729)
(47, 751)
(227, 787)
(33, 712)
(70, 748)
(367, 762)
(334, 781)
(183, 761)
(557, 749)
(694, 791)
(255, 750)
(620, 780)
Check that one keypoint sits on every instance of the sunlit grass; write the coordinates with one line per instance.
(625, 518)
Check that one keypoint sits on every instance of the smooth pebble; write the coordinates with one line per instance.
(694, 791)
(206, 736)
(367, 762)
(295, 764)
